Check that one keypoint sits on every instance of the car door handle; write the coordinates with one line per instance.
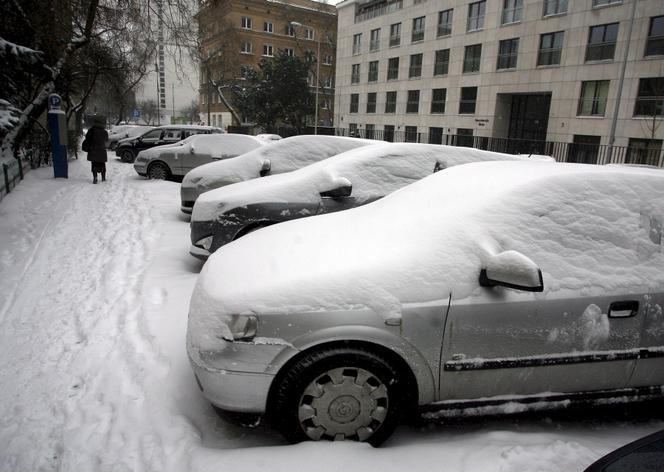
(623, 309)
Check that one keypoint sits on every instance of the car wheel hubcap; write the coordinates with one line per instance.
(343, 403)
(157, 172)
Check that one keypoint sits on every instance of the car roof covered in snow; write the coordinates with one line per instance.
(219, 146)
(373, 171)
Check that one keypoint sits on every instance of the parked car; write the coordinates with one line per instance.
(643, 455)
(282, 156)
(123, 132)
(347, 180)
(162, 162)
(128, 148)
(489, 282)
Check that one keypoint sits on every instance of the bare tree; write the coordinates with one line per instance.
(148, 109)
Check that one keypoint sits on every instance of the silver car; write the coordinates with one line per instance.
(282, 156)
(485, 283)
(347, 180)
(177, 159)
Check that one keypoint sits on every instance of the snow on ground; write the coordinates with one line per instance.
(95, 283)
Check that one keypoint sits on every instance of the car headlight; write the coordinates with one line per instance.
(242, 327)
(205, 243)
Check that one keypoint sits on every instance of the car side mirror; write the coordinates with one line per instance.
(192, 150)
(512, 269)
(438, 167)
(265, 168)
(339, 192)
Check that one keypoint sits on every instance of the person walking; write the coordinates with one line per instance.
(95, 145)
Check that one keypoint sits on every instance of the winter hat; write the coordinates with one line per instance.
(99, 120)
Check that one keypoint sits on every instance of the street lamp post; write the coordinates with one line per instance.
(295, 23)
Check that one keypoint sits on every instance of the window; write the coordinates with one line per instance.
(413, 103)
(268, 50)
(441, 62)
(555, 7)
(655, 43)
(593, 98)
(355, 74)
(357, 43)
(508, 51)
(370, 130)
(327, 61)
(374, 40)
(393, 68)
(600, 3)
(246, 22)
(435, 135)
(643, 151)
(411, 134)
(327, 83)
(289, 30)
(464, 137)
(444, 23)
(476, 15)
(290, 52)
(512, 11)
(438, 97)
(471, 58)
(388, 133)
(268, 27)
(371, 102)
(390, 102)
(308, 33)
(246, 47)
(468, 100)
(327, 104)
(650, 98)
(354, 102)
(602, 42)
(551, 45)
(415, 69)
(418, 29)
(584, 149)
(395, 34)
(373, 71)
(352, 129)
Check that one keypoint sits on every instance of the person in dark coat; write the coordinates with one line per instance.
(95, 144)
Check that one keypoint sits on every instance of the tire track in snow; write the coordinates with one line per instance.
(73, 393)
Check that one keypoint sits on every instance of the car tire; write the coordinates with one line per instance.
(127, 155)
(338, 393)
(158, 171)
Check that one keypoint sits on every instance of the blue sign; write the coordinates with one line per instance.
(54, 101)
(136, 114)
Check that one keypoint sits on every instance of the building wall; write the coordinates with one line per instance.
(563, 82)
(221, 20)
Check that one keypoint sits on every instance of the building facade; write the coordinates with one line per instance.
(237, 33)
(587, 74)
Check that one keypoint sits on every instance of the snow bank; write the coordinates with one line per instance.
(373, 171)
(283, 156)
(587, 227)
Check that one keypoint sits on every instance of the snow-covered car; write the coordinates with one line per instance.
(283, 156)
(177, 159)
(128, 148)
(123, 132)
(269, 137)
(512, 283)
(347, 180)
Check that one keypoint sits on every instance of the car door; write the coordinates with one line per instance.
(195, 154)
(511, 342)
(148, 140)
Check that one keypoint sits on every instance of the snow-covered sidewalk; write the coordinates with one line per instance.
(94, 289)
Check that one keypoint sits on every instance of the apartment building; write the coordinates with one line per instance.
(237, 33)
(588, 73)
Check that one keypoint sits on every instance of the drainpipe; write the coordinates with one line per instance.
(614, 121)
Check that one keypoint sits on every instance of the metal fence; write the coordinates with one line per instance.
(13, 171)
(560, 151)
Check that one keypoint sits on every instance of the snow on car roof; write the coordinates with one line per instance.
(219, 146)
(589, 228)
(284, 156)
(373, 171)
